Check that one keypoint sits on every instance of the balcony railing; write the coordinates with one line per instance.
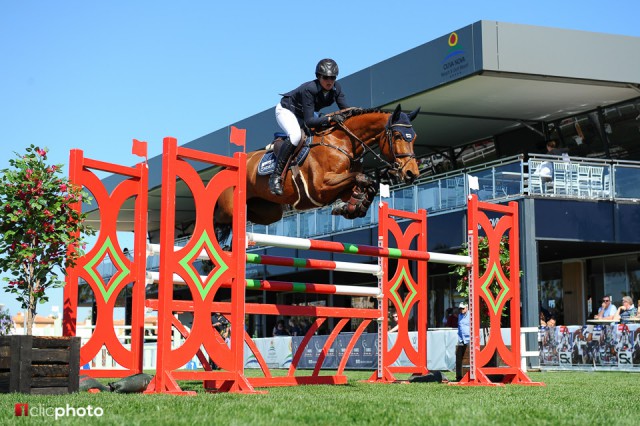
(540, 176)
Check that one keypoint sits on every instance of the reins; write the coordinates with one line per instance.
(366, 148)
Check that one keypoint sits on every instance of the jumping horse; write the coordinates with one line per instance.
(332, 169)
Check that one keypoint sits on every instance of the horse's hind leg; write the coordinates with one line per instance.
(361, 198)
(223, 219)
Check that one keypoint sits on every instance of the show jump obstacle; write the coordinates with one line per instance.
(401, 273)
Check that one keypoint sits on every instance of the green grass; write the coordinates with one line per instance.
(569, 398)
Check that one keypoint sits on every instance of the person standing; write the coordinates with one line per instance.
(464, 335)
(298, 108)
(394, 323)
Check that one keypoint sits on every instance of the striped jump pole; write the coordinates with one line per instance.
(362, 250)
(296, 287)
(329, 265)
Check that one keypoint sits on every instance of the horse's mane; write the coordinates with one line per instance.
(347, 113)
(354, 111)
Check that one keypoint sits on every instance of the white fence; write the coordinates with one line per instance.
(276, 351)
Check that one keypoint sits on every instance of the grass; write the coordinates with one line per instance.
(569, 398)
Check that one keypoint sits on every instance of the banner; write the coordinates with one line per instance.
(614, 346)
(278, 351)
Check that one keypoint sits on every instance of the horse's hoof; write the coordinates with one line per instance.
(339, 209)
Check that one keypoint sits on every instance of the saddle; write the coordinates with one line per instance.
(268, 162)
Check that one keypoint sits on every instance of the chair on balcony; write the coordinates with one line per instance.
(596, 181)
(606, 185)
(561, 178)
(536, 178)
(454, 192)
(583, 180)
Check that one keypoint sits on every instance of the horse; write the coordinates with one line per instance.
(332, 169)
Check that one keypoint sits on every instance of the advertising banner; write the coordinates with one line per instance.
(610, 345)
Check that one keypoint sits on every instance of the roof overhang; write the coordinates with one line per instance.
(490, 103)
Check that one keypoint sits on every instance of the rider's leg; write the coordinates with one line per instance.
(289, 123)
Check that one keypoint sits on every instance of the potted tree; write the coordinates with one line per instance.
(40, 236)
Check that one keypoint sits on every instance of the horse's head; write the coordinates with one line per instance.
(397, 145)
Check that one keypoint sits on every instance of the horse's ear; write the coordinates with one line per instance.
(396, 114)
(413, 114)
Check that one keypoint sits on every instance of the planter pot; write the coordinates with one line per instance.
(39, 365)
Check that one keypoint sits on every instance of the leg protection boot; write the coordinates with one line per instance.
(275, 180)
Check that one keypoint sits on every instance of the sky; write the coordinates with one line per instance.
(94, 75)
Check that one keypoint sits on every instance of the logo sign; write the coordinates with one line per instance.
(22, 409)
(39, 410)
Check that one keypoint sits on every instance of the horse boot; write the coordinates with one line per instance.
(275, 180)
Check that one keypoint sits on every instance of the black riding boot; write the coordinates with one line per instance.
(275, 180)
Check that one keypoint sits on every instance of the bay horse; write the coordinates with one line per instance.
(332, 169)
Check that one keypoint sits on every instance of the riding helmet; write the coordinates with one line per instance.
(327, 67)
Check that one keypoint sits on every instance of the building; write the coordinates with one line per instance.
(491, 95)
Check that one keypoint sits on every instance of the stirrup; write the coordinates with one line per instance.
(275, 184)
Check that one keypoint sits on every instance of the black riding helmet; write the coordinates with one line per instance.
(327, 67)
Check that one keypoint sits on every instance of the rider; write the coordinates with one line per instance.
(299, 107)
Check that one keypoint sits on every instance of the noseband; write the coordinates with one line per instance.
(407, 134)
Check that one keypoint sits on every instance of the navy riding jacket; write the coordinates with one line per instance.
(308, 98)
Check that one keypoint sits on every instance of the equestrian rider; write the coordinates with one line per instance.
(299, 108)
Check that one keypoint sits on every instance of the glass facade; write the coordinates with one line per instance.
(614, 276)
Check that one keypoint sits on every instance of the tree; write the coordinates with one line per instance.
(40, 230)
(462, 273)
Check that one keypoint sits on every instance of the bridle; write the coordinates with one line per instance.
(406, 132)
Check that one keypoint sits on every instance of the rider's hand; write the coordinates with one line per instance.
(337, 118)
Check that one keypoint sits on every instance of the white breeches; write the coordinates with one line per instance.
(289, 124)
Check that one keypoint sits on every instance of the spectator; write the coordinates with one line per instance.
(608, 310)
(552, 148)
(545, 169)
(452, 319)
(464, 334)
(544, 316)
(219, 322)
(280, 329)
(393, 323)
(304, 327)
(551, 322)
(626, 310)
(294, 330)
(543, 320)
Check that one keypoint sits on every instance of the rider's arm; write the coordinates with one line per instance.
(308, 109)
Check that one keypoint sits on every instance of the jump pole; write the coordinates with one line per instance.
(296, 287)
(363, 250)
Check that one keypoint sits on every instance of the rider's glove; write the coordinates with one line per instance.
(337, 118)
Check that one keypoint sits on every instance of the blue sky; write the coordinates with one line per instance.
(94, 75)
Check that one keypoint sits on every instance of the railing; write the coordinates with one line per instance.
(524, 353)
(501, 180)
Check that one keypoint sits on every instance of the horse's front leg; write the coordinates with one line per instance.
(361, 198)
